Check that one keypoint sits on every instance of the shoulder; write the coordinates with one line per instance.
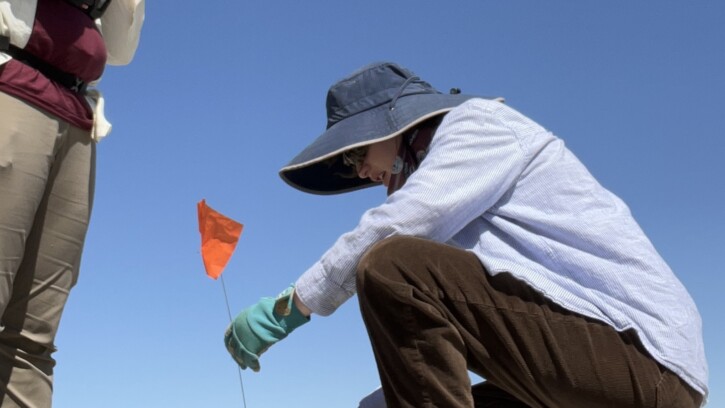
(494, 112)
(480, 104)
(483, 110)
(479, 109)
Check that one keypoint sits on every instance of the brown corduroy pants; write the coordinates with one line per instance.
(433, 313)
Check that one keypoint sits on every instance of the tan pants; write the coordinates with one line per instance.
(47, 175)
(433, 313)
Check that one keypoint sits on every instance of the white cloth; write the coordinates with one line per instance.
(496, 183)
(121, 28)
(16, 20)
(375, 399)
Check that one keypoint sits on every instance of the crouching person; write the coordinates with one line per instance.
(496, 252)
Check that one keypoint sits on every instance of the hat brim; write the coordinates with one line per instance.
(319, 168)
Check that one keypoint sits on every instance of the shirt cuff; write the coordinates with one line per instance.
(319, 293)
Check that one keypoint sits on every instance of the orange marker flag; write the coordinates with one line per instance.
(219, 237)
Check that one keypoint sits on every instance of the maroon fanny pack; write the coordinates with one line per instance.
(62, 78)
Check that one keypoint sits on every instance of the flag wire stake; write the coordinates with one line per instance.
(229, 312)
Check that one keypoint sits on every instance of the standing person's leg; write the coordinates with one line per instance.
(433, 313)
(46, 184)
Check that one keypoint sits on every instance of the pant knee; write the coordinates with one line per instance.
(383, 253)
(376, 267)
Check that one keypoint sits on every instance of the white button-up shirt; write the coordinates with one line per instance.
(497, 184)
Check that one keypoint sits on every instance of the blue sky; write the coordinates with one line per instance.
(222, 94)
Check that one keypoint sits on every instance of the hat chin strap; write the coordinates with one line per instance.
(401, 89)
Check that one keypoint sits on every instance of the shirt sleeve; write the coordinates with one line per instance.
(16, 20)
(121, 28)
(474, 159)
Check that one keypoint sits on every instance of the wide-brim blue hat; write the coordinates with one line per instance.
(375, 103)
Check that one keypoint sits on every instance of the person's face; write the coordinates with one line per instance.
(378, 163)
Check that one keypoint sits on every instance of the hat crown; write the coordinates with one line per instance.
(370, 87)
(374, 103)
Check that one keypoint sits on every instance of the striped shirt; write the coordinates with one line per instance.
(497, 184)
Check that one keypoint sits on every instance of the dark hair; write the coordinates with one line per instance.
(355, 157)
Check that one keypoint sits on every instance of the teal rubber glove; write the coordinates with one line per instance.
(260, 326)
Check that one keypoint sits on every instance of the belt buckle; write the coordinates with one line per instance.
(79, 86)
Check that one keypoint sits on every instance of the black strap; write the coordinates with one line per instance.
(62, 78)
(94, 8)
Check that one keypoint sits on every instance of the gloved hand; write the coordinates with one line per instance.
(259, 326)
